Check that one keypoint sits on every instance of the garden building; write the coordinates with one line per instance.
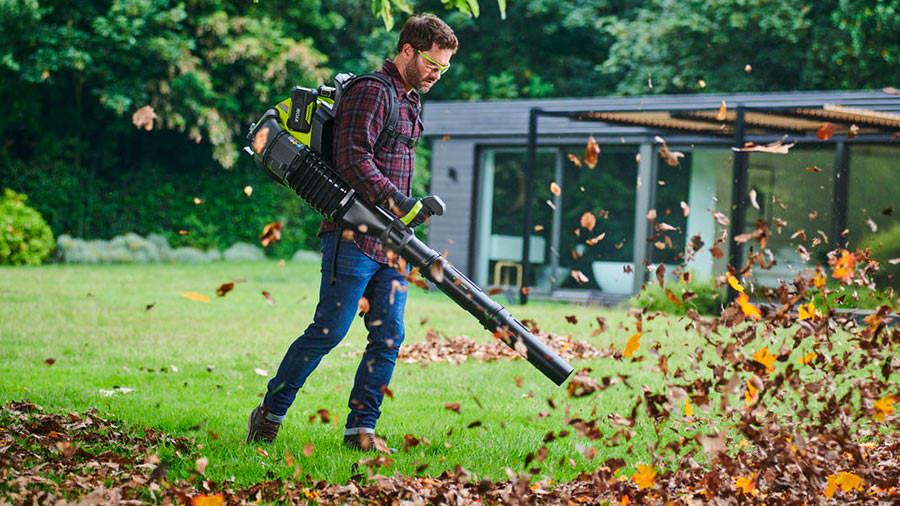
(835, 185)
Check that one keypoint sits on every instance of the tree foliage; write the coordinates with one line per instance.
(74, 73)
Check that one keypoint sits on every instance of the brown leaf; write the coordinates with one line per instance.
(723, 112)
(671, 157)
(777, 147)
(436, 269)
(579, 277)
(574, 159)
(363, 305)
(591, 152)
(572, 319)
(825, 131)
(324, 415)
(494, 290)
(143, 118)
(271, 233)
(50, 361)
(660, 274)
(453, 406)
(721, 219)
(387, 391)
(555, 189)
(716, 252)
(269, 298)
(200, 464)
(224, 289)
(308, 450)
(588, 220)
(66, 448)
(518, 381)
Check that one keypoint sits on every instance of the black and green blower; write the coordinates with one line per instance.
(291, 143)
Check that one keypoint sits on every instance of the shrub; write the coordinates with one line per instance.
(25, 238)
(75, 251)
(303, 255)
(243, 251)
(162, 246)
(708, 301)
(189, 255)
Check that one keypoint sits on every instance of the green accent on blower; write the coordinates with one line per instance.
(412, 213)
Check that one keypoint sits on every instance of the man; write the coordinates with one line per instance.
(355, 264)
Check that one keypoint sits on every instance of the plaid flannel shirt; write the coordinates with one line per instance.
(359, 119)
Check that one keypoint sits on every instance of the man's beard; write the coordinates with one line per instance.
(414, 78)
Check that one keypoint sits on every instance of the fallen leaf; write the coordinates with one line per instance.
(224, 289)
(208, 500)
(201, 464)
(387, 391)
(453, 406)
(644, 476)
(269, 298)
(883, 407)
(195, 296)
(50, 361)
(633, 344)
(308, 450)
(766, 358)
(843, 480)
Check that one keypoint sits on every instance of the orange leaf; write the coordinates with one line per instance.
(594, 240)
(588, 220)
(195, 296)
(764, 357)
(633, 344)
(825, 131)
(843, 266)
(748, 308)
(271, 233)
(672, 298)
(363, 305)
(745, 485)
(843, 480)
(555, 189)
(884, 407)
(688, 408)
(644, 476)
(735, 284)
(574, 159)
(269, 298)
(750, 393)
(208, 500)
(805, 359)
(723, 112)
(259, 141)
(591, 152)
(308, 450)
(806, 311)
(671, 157)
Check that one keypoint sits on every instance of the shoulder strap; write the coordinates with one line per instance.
(389, 131)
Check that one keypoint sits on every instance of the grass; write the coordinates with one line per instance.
(192, 367)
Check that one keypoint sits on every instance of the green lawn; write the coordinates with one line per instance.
(192, 365)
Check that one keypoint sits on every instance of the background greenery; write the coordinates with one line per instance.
(73, 73)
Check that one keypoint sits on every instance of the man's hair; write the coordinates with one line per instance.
(424, 30)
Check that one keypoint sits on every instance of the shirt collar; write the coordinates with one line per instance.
(391, 70)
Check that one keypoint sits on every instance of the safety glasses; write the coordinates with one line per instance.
(435, 66)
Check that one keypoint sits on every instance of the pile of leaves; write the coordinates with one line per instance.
(437, 347)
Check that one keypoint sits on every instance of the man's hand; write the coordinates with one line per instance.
(412, 211)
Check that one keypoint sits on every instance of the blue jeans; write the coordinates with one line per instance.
(356, 276)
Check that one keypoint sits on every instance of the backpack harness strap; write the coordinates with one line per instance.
(390, 130)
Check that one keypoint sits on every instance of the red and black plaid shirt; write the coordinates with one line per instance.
(359, 119)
